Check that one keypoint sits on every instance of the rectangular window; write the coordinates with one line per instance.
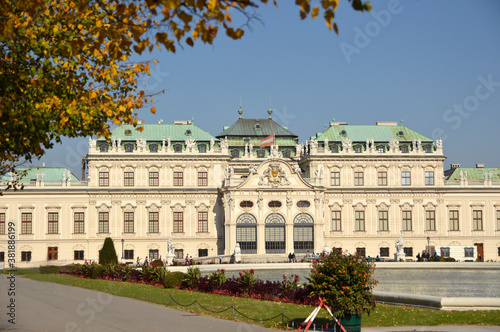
(335, 176)
(498, 220)
(129, 254)
(408, 251)
(2, 256)
(360, 220)
(103, 179)
(469, 252)
(154, 222)
(26, 223)
(382, 178)
(179, 253)
(407, 221)
(128, 179)
(361, 251)
(430, 220)
(128, 222)
(336, 221)
(79, 222)
(383, 220)
(429, 178)
(178, 222)
(202, 252)
(445, 252)
(103, 222)
(454, 224)
(154, 254)
(384, 252)
(359, 179)
(25, 256)
(2, 223)
(79, 255)
(477, 220)
(202, 179)
(202, 222)
(406, 178)
(154, 179)
(178, 178)
(53, 222)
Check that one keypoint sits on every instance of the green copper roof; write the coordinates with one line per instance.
(256, 128)
(157, 132)
(475, 174)
(51, 174)
(359, 133)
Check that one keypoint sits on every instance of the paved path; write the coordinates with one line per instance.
(42, 306)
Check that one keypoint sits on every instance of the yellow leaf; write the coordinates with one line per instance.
(153, 110)
(315, 12)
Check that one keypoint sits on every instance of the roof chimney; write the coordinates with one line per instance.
(453, 166)
(479, 165)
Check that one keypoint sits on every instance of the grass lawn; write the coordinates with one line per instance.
(383, 315)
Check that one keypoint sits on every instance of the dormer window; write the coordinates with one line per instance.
(343, 132)
(202, 148)
(404, 148)
(256, 127)
(380, 149)
(358, 149)
(235, 153)
(261, 154)
(129, 147)
(427, 149)
(400, 133)
(188, 132)
(334, 148)
(178, 148)
(104, 147)
(153, 148)
(286, 154)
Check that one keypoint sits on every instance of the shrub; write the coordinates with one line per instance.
(192, 277)
(345, 283)
(67, 268)
(157, 262)
(107, 254)
(49, 269)
(174, 279)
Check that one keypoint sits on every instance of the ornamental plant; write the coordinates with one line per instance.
(345, 282)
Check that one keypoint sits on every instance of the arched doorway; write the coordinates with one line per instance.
(303, 233)
(246, 233)
(275, 234)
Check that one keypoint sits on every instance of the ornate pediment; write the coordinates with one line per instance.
(274, 175)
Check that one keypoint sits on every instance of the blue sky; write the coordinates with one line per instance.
(434, 64)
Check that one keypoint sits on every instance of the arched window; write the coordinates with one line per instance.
(303, 204)
(246, 233)
(153, 148)
(303, 233)
(178, 148)
(202, 148)
(235, 153)
(261, 153)
(275, 233)
(286, 153)
(104, 147)
(129, 147)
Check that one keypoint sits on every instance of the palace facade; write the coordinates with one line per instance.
(355, 187)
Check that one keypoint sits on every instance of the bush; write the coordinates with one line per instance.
(107, 254)
(67, 268)
(49, 269)
(345, 283)
(157, 262)
(174, 279)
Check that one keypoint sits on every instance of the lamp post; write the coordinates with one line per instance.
(428, 245)
(123, 257)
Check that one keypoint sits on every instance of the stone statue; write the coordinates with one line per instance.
(399, 245)
(92, 143)
(465, 175)
(252, 169)
(113, 143)
(212, 143)
(119, 142)
(250, 148)
(163, 143)
(367, 143)
(372, 142)
(298, 149)
(316, 173)
(394, 144)
(237, 249)
(414, 144)
(274, 152)
(224, 143)
(419, 144)
(326, 249)
(325, 143)
(141, 143)
(346, 144)
(168, 143)
(313, 144)
(170, 247)
(190, 143)
(232, 171)
(439, 143)
(226, 173)
(296, 169)
(68, 176)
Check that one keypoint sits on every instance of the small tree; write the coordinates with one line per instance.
(107, 254)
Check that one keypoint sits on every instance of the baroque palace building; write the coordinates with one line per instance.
(355, 187)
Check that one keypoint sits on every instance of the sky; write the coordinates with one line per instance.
(435, 65)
